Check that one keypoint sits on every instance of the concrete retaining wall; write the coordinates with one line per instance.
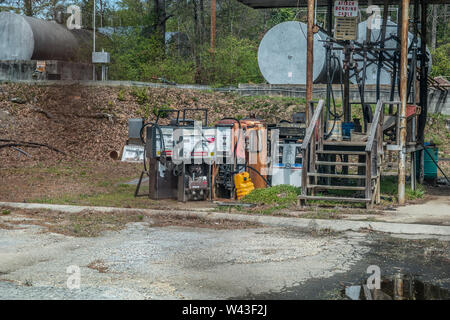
(54, 70)
(438, 101)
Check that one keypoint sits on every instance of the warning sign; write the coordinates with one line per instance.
(40, 66)
(346, 8)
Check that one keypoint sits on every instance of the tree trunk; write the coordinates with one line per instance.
(434, 26)
(28, 8)
(196, 44)
(202, 22)
(160, 20)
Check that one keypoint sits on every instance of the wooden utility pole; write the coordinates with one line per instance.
(403, 96)
(423, 86)
(309, 56)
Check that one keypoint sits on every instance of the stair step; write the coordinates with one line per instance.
(334, 198)
(336, 163)
(321, 186)
(333, 175)
(341, 152)
(345, 143)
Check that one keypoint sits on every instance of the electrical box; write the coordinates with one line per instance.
(288, 170)
(155, 144)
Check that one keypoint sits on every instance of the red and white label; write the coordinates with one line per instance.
(346, 8)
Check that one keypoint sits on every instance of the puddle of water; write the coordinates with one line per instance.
(398, 287)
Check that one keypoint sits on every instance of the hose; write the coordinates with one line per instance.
(265, 180)
(161, 140)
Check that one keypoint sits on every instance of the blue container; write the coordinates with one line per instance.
(347, 127)
(429, 167)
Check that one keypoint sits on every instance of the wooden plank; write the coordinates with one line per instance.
(341, 152)
(374, 126)
(312, 125)
(345, 143)
(260, 4)
(333, 175)
(338, 163)
(304, 171)
(334, 198)
(319, 186)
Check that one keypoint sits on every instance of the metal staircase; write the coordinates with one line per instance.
(345, 170)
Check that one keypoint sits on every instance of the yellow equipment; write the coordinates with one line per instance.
(243, 184)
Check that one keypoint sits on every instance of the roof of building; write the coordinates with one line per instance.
(259, 4)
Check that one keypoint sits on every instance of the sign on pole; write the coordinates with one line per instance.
(345, 8)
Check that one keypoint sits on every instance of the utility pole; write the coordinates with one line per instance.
(309, 57)
(93, 46)
(403, 96)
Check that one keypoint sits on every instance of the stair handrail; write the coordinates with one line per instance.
(375, 125)
(312, 124)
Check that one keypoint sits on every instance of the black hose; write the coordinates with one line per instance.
(334, 114)
(161, 140)
(265, 180)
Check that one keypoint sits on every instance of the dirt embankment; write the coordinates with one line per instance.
(87, 123)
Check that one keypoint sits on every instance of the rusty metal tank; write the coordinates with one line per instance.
(28, 38)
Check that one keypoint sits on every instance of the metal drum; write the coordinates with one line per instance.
(282, 55)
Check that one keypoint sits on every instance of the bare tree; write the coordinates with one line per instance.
(434, 26)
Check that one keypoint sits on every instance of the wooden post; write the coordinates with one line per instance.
(309, 54)
(423, 87)
(403, 96)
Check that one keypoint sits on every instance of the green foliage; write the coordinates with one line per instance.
(279, 195)
(140, 94)
(389, 186)
(282, 15)
(6, 212)
(121, 95)
(233, 61)
(441, 61)
(138, 58)
(135, 57)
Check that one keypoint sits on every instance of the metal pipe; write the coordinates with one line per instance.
(403, 97)
(93, 47)
(213, 24)
(383, 37)
(423, 86)
(309, 54)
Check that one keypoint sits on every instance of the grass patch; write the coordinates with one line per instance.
(89, 223)
(281, 195)
(321, 214)
(389, 187)
(121, 196)
(273, 199)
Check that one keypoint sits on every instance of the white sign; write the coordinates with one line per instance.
(346, 8)
(133, 153)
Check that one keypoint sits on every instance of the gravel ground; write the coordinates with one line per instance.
(171, 262)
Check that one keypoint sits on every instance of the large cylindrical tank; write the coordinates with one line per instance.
(27, 38)
(375, 35)
(282, 55)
